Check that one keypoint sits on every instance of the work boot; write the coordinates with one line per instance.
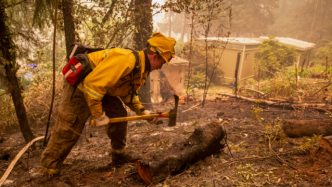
(50, 173)
(119, 159)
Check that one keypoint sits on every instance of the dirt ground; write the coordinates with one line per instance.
(250, 162)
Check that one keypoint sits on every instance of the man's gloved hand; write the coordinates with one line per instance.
(154, 120)
(102, 120)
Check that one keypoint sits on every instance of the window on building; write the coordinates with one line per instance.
(247, 56)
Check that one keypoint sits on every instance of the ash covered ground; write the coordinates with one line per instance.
(250, 162)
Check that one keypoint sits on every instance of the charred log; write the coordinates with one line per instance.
(204, 142)
(299, 128)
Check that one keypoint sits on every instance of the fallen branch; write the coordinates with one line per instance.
(18, 156)
(276, 156)
(192, 107)
(252, 90)
(253, 157)
(320, 106)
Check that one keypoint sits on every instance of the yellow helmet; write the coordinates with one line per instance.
(162, 45)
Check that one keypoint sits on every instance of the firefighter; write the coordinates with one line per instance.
(99, 95)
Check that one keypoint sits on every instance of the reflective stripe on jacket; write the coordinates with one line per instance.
(112, 76)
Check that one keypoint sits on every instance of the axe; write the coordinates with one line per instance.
(171, 115)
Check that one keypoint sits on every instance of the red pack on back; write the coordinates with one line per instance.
(72, 71)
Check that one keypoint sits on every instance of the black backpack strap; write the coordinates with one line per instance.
(133, 73)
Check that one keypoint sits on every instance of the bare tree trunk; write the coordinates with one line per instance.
(144, 27)
(109, 13)
(236, 75)
(8, 59)
(313, 22)
(67, 9)
(326, 76)
(183, 25)
(190, 53)
(169, 23)
(206, 66)
(327, 7)
(259, 76)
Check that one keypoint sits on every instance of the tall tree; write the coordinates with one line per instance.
(143, 24)
(8, 61)
(169, 23)
(252, 18)
(304, 20)
(183, 25)
(69, 26)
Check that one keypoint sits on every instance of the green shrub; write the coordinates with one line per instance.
(7, 110)
(197, 81)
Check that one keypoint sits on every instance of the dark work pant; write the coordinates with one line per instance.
(72, 115)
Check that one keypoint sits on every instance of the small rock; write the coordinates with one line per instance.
(7, 182)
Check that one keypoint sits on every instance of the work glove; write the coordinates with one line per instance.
(154, 120)
(102, 120)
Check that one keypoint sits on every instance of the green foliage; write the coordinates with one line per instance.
(274, 57)
(43, 13)
(38, 97)
(283, 84)
(307, 72)
(197, 80)
(274, 129)
(198, 62)
(251, 81)
(179, 47)
(309, 143)
(7, 110)
(323, 52)
(256, 112)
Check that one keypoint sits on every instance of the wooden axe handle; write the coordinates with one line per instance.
(134, 118)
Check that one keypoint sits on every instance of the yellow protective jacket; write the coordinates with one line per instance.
(112, 76)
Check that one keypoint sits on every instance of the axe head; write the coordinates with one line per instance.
(173, 112)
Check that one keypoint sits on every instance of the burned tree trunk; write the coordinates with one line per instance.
(69, 26)
(143, 24)
(203, 142)
(8, 60)
(299, 128)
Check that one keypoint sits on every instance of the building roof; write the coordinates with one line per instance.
(234, 40)
(178, 61)
(299, 44)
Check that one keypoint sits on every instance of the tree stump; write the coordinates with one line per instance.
(203, 142)
(299, 128)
